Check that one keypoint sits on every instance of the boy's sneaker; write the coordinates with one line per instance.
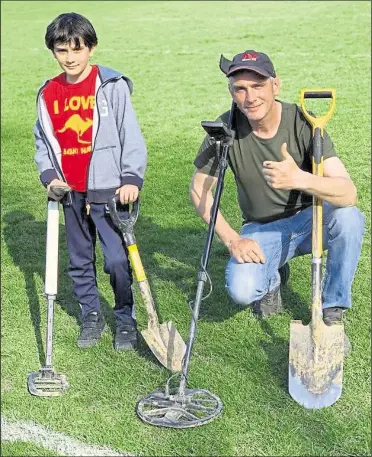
(126, 334)
(271, 303)
(92, 327)
(333, 316)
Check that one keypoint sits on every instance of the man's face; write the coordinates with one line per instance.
(254, 94)
(72, 61)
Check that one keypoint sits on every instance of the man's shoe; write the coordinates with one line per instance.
(333, 316)
(126, 334)
(271, 303)
(284, 272)
(92, 327)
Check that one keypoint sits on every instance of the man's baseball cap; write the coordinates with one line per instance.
(248, 60)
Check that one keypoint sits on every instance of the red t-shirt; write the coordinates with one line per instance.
(70, 107)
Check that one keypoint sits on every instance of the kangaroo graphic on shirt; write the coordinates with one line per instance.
(78, 125)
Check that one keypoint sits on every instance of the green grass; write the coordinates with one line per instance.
(171, 51)
(20, 448)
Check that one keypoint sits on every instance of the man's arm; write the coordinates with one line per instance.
(244, 250)
(335, 187)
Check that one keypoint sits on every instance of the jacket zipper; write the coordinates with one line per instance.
(94, 141)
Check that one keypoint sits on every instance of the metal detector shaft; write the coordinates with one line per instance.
(317, 232)
(51, 274)
(202, 275)
(49, 333)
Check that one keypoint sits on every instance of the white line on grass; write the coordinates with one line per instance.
(54, 441)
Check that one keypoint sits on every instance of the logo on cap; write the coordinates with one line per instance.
(249, 56)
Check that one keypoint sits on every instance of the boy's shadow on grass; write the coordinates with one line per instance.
(26, 242)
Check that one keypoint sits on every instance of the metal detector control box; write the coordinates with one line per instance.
(217, 130)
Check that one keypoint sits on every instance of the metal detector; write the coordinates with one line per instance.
(184, 407)
(46, 382)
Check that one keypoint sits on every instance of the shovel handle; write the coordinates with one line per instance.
(124, 224)
(136, 262)
(139, 272)
(318, 122)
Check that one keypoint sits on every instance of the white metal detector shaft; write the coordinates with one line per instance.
(51, 273)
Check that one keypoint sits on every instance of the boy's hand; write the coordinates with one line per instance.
(127, 193)
(57, 189)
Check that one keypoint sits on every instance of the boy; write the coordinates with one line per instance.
(88, 141)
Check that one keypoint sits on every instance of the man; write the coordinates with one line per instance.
(271, 162)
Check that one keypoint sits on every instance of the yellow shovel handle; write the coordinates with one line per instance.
(320, 121)
(136, 262)
(318, 124)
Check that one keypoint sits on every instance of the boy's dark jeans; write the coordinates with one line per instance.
(81, 231)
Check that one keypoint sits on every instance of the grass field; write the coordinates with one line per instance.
(171, 51)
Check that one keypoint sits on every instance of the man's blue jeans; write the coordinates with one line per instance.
(284, 239)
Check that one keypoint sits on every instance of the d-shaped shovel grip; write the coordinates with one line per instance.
(125, 225)
(318, 122)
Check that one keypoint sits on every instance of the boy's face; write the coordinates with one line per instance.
(74, 62)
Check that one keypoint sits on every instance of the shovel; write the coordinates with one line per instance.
(316, 351)
(163, 339)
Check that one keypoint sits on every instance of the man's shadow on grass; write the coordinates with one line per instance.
(174, 254)
(26, 242)
(184, 248)
(186, 245)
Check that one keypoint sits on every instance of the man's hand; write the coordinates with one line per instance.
(285, 174)
(57, 189)
(127, 193)
(245, 250)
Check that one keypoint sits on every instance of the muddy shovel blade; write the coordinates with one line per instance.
(316, 355)
(166, 344)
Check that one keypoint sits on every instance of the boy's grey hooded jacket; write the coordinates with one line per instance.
(119, 152)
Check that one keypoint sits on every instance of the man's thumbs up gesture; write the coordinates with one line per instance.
(283, 175)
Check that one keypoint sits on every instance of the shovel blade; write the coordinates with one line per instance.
(48, 384)
(316, 356)
(166, 344)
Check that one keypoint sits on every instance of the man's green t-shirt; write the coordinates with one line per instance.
(257, 200)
